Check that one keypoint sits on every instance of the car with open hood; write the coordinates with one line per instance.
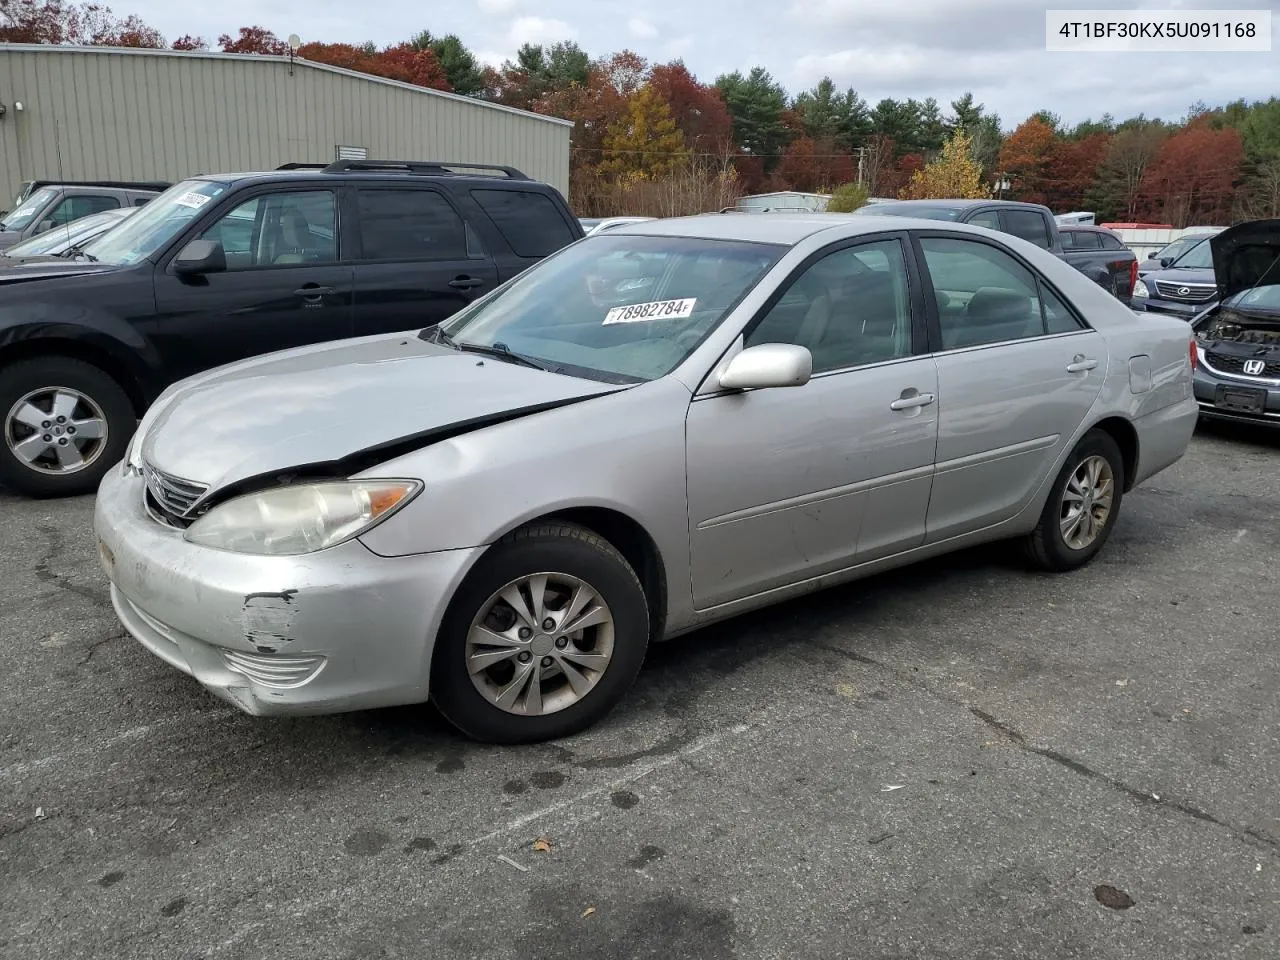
(1238, 339)
(655, 428)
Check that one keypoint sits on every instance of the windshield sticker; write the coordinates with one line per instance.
(23, 212)
(653, 310)
(193, 200)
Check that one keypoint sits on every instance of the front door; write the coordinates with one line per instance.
(284, 286)
(791, 483)
(1018, 372)
(419, 261)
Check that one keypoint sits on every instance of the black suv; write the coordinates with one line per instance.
(223, 267)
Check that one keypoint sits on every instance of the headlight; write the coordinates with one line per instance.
(1140, 290)
(286, 521)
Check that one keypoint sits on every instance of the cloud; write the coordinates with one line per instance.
(539, 30)
(497, 6)
(641, 29)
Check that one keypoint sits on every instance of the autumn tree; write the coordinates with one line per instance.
(1194, 177)
(188, 42)
(756, 104)
(253, 40)
(1116, 193)
(1072, 169)
(813, 165)
(402, 62)
(1025, 157)
(645, 142)
(462, 70)
(953, 175)
(697, 108)
(84, 24)
(982, 128)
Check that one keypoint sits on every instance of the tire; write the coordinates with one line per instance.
(1047, 546)
(566, 553)
(42, 382)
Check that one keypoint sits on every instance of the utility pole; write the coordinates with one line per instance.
(861, 157)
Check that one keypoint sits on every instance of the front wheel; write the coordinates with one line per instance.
(65, 423)
(543, 639)
(1082, 507)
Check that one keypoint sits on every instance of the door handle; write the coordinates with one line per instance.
(313, 292)
(1079, 363)
(465, 283)
(910, 403)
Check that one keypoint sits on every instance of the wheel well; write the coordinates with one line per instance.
(634, 543)
(1126, 438)
(75, 350)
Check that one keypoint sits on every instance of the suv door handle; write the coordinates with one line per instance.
(1080, 363)
(466, 283)
(910, 403)
(313, 291)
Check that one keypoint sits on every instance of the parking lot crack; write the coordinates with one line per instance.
(93, 647)
(1250, 835)
(45, 574)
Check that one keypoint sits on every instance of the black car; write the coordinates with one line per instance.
(223, 267)
(1237, 376)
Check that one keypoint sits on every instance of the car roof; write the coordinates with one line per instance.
(380, 176)
(779, 228)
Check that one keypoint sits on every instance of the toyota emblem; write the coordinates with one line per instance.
(1183, 291)
(1253, 367)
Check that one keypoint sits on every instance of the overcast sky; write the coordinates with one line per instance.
(882, 48)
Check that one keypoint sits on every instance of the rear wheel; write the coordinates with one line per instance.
(1082, 507)
(65, 424)
(543, 638)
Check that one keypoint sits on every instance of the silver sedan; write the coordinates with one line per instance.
(658, 427)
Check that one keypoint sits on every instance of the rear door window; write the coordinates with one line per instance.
(73, 208)
(410, 224)
(1027, 224)
(987, 218)
(531, 222)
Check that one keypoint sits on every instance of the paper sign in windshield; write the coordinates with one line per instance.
(654, 310)
(193, 200)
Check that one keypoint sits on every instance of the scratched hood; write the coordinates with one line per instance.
(320, 404)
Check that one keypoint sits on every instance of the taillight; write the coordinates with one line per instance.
(1195, 359)
(1133, 279)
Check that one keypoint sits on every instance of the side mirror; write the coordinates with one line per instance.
(44, 226)
(1151, 255)
(1164, 261)
(768, 365)
(200, 257)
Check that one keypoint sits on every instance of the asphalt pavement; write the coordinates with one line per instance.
(958, 760)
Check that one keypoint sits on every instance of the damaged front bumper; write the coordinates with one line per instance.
(341, 629)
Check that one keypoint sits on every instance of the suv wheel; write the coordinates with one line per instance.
(65, 424)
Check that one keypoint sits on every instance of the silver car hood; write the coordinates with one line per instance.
(321, 405)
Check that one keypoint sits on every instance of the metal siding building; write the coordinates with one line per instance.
(124, 114)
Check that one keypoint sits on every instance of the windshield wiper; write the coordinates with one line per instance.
(499, 350)
(75, 250)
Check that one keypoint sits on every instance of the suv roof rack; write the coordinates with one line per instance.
(302, 166)
(425, 167)
(158, 185)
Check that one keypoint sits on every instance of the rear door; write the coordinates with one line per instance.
(531, 223)
(1018, 371)
(286, 282)
(419, 261)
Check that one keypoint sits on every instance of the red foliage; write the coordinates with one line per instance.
(53, 21)
(1071, 169)
(401, 62)
(188, 42)
(1025, 156)
(624, 71)
(1195, 176)
(253, 40)
(893, 179)
(698, 109)
(813, 165)
(751, 175)
(592, 108)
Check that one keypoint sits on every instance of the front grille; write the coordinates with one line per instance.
(1195, 292)
(1235, 365)
(273, 671)
(172, 496)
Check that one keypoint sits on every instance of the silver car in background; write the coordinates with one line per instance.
(658, 427)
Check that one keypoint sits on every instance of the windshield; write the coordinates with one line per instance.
(618, 308)
(21, 218)
(157, 223)
(903, 210)
(1199, 257)
(1177, 248)
(1265, 298)
(59, 238)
